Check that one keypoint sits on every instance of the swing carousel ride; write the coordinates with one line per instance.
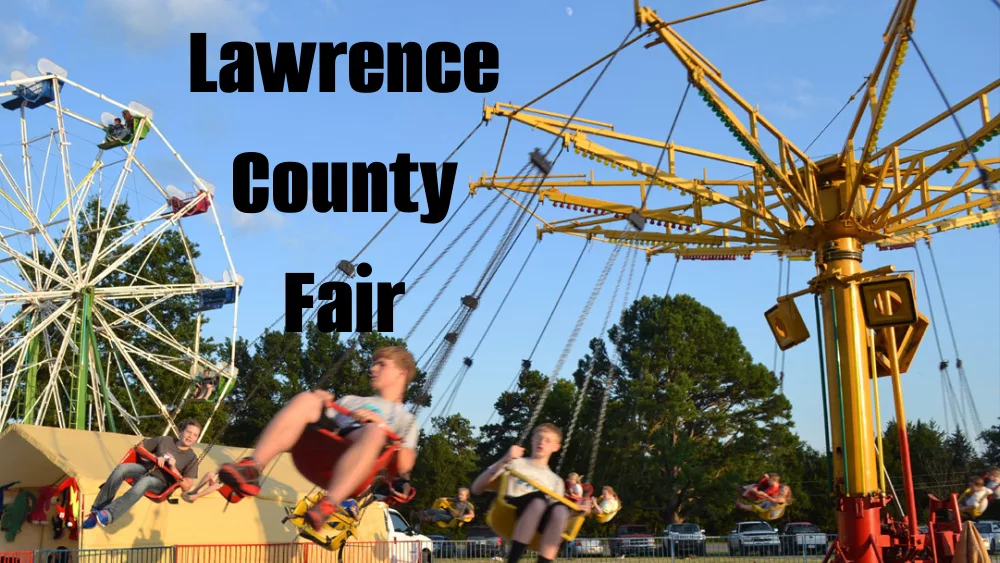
(86, 211)
(791, 205)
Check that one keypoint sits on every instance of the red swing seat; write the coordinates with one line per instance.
(588, 492)
(143, 457)
(318, 450)
(396, 498)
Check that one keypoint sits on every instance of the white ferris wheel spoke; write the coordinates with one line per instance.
(28, 212)
(120, 344)
(163, 337)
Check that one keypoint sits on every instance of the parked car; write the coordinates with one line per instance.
(684, 539)
(754, 537)
(586, 547)
(633, 539)
(990, 531)
(483, 542)
(802, 537)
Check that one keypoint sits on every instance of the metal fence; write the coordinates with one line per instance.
(158, 554)
(772, 548)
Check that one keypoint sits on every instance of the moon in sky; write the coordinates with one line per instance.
(569, 11)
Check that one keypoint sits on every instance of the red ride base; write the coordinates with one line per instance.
(866, 537)
(859, 530)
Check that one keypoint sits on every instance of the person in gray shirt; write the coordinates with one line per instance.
(393, 369)
(537, 513)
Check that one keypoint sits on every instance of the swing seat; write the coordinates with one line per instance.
(588, 491)
(333, 534)
(229, 494)
(444, 503)
(980, 508)
(143, 457)
(318, 450)
(395, 498)
(771, 513)
(502, 516)
(605, 517)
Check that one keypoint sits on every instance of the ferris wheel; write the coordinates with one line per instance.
(109, 271)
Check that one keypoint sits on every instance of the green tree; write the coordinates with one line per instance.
(991, 437)
(961, 454)
(447, 460)
(930, 463)
(515, 409)
(282, 365)
(696, 415)
(144, 330)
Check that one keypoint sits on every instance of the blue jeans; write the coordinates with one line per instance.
(143, 483)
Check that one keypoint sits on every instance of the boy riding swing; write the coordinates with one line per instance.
(537, 513)
(364, 430)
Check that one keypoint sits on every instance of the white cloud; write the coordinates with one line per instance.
(797, 99)
(267, 220)
(144, 21)
(15, 41)
(16, 36)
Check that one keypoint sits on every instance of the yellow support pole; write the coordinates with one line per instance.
(846, 351)
(859, 500)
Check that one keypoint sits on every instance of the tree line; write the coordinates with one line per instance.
(688, 416)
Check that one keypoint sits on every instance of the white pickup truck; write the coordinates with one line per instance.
(386, 539)
(754, 537)
(410, 547)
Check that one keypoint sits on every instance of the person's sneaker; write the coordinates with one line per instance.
(90, 522)
(103, 517)
(320, 513)
(241, 477)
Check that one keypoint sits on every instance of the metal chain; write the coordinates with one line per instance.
(590, 372)
(607, 387)
(569, 344)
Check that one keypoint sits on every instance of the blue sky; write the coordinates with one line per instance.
(799, 61)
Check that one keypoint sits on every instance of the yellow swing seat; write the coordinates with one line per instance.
(772, 513)
(336, 531)
(444, 503)
(502, 516)
(605, 517)
(980, 508)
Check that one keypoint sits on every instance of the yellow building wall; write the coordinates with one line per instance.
(40, 456)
